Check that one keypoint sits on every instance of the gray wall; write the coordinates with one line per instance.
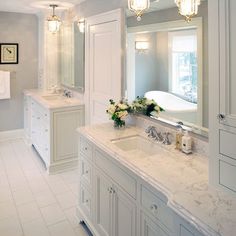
(93, 7)
(146, 66)
(162, 61)
(22, 29)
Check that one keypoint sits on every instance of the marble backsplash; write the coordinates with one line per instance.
(200, 143)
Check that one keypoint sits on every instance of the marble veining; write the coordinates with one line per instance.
(182, 178)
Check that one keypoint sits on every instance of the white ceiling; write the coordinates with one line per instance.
(34, 6)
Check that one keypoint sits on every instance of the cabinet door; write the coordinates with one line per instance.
(103, 204)
(64, 134)
(103, 63)
(149, 228)
(227, 37)
(124, 211)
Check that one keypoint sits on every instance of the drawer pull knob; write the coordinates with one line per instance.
(221, 117)
(154, 207)
(86, 172)
(86, 149)
(87, 201)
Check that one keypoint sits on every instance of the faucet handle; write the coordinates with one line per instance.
(166, 139)
(149, 129)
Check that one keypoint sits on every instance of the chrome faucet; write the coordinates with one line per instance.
(166, 139)
(158, 136)
(152, 132)
(67, 93)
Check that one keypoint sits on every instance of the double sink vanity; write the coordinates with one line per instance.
(50, 126)
(131, 185)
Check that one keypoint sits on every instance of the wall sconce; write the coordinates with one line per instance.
(188, 8)
(141, 46)
(81, 25)
(138, 7)
(54, 21)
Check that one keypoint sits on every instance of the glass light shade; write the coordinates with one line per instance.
(138, 6)
(188, 8)
(54, 26)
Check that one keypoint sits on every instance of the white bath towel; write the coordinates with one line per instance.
(5, 85)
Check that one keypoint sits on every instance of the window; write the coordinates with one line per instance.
(183, 64)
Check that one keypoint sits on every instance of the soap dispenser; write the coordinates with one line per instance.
(178, 139)
(187, 143)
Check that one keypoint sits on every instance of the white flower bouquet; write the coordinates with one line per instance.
(118, 112)
(145, 106)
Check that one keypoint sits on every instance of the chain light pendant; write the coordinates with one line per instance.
(188, 8)
(54, 21)
(138, 7)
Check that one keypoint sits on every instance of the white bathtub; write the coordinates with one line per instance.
(174, 106)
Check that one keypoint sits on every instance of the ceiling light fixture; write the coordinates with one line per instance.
(188, 8)
(54, 21)
(138, 7)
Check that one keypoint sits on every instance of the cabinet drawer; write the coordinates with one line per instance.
(156, 207)
(85, 201)
(85, 169)
(227, 175)
(86, 148)
(42, 113)
(123, 179)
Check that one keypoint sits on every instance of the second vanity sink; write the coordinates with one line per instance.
(52, 97)
(137, 146)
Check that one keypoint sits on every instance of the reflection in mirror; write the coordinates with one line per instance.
(72, 56)
(165, 63)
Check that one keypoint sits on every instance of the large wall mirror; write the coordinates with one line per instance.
(72, 56)
(167, 62)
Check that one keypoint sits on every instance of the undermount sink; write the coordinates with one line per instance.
(137, 146)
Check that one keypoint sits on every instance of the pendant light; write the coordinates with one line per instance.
(138, 7)
(54, 21)
(188, 8)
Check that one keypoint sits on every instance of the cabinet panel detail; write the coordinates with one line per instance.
(156, 207)
(149, 228)
(117, 174)
(64, 135)
(228, 175)
(227, 144)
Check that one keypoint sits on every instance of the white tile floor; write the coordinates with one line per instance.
(33, 203)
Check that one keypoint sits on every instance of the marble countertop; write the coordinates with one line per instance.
(182, 178)
(52, 101)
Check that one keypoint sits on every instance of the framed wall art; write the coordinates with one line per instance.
(9, 53)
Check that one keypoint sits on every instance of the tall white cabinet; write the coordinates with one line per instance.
(103, 63)
(222, 62)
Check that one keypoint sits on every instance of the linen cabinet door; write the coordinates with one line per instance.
(103, 204)
(227, 35)
(124, 214)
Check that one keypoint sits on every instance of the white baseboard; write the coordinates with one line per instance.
(11, 134)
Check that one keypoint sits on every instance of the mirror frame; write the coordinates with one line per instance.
(175, 25)
(79, 89)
